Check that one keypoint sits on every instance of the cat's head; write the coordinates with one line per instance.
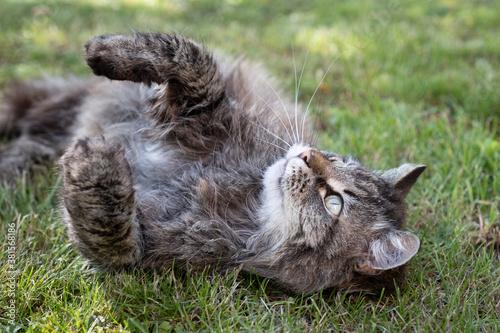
(345, 216)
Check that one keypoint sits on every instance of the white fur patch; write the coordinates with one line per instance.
(296, 150)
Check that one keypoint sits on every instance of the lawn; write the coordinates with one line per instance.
(404, 81)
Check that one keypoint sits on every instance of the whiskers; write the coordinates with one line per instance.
(294, 121)
(304, 117)
(289, 128)
(273, 144)
(297, 89)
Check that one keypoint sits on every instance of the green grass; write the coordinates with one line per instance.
(414, 81)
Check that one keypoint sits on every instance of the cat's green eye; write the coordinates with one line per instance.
(334, 204)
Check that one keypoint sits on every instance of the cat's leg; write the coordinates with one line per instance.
(24, 153)
(36, 119)
(99, 203)
(190, 105)
(194, 80)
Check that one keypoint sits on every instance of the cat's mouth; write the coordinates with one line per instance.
(295, 159)
(277, 173)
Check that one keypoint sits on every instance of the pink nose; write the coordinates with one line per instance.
(307, 156)
(317, 162)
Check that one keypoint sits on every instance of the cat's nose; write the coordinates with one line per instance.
(307, 156)
(316, 161)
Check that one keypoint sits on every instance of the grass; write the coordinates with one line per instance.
(412, 81)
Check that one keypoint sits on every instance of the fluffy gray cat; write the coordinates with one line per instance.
(197, 160)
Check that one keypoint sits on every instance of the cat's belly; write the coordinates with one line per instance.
(162, 178)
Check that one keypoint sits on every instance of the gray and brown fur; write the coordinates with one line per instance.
(196, 160)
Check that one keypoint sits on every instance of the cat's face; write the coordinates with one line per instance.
(334, 205)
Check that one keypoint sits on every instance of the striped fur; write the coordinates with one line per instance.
(183, 156)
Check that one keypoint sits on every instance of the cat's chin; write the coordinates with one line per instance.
(273, 196)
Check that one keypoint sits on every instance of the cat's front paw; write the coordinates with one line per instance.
(101, 54)
(120, 57)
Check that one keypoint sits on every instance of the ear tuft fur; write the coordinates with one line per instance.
(392, 251)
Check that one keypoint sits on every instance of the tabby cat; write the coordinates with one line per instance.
(178, 155)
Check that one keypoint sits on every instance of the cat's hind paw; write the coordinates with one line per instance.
(96, 163)
(99, 202)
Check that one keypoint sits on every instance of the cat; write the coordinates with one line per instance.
(172, 154)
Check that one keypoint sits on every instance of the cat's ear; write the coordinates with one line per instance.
(391, 251)
(403, 177)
